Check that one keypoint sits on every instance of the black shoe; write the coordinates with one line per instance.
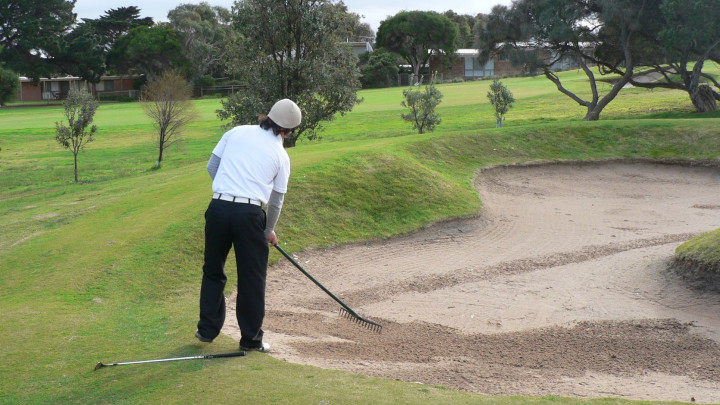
(202, 338)
(264, 348)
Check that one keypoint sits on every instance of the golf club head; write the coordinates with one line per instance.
(99, 365)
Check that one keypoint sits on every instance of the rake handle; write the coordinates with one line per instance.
(339, 301)
(347, 310)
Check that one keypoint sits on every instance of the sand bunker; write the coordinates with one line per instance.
(558, 287)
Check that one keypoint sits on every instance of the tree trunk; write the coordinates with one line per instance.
(704, 99)
(702, 95)
(498, 123)
(76, 176)
(160, 156)
(416, 75)
(289, 142)
(592, 115)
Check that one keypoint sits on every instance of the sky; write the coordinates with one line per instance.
(374, 11)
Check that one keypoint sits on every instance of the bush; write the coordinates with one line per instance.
(422, 105)
(380, 70)
(140, 82)
(205, 81)
(502, 100)
(9, 85)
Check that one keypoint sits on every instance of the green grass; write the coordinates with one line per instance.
(109, 269)
(704, 251)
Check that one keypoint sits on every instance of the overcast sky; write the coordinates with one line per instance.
(373, 11)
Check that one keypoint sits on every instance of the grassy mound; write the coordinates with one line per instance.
(698, 260)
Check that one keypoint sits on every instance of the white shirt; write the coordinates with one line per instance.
(253, 163)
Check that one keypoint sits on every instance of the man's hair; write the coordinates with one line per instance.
(267, 123)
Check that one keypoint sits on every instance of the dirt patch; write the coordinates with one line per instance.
(558, 287)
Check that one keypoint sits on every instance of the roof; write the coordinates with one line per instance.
(24, 79)
(360, 46)
(467, 52)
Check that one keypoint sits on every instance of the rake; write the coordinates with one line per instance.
(206, 356)
(345, 311)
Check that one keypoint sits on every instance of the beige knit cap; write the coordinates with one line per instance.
(286, 114)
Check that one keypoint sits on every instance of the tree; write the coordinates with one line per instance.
(147, 50)
(29, 32)
(536, 34)
(421, 104)
(80, 53)
(41, 40)
(363, 33)
(292, 49)
(80, 107)
(117, 22)
(415, 35)
(9, 85)
(380, 69)
(501, 99)
(205, 33)
(466, 24)
(166, 100)
(86, 48)
(684, 37)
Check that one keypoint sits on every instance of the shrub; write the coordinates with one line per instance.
(380, 70)
(502, 99)
(422, 105)
(9, 85)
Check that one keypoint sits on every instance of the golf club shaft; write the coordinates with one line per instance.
(207, 356)
(122, 363)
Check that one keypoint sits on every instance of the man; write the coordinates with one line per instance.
(249, 168)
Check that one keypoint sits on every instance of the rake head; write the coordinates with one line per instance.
(373, 326)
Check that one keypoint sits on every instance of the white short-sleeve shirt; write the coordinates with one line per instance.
(253, 163)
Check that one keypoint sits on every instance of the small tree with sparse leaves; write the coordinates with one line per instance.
(502, 99)
(166, 100)
(80, 107)
(421, 104)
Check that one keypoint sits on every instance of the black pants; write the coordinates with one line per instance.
(242, 226)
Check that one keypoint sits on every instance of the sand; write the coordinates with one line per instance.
(559, 286)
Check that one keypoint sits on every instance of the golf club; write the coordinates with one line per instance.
(206, 356)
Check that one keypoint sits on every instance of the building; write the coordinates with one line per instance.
(466, 65)
(360, 47)
(57, 88)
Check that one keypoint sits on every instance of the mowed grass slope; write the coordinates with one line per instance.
(701, 255)
(109, 270)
